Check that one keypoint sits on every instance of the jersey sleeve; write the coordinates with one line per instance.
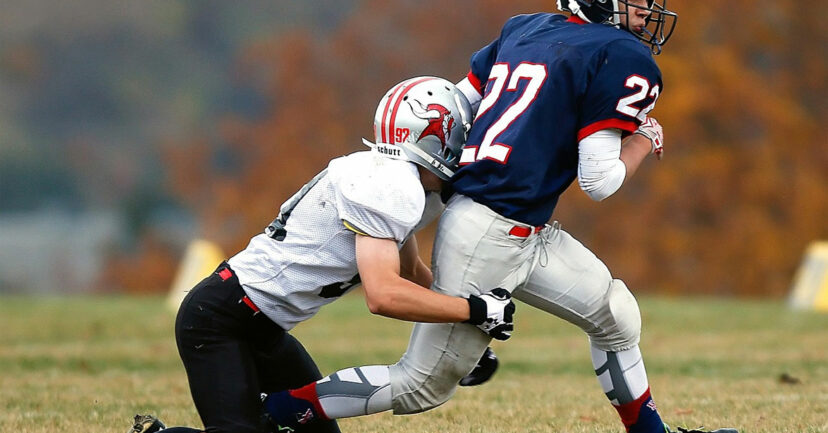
(481, 66)
(373, 206)
(624, 88)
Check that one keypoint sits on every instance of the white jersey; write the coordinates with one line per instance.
(290, 278)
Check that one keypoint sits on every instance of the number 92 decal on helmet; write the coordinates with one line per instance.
(424, 120)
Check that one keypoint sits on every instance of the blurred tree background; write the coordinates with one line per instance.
(198, 119)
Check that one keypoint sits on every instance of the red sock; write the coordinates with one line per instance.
(308, 393)
(641, 416)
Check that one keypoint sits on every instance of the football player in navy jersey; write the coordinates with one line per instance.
(556, 98)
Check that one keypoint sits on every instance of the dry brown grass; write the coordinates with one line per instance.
(89, 363)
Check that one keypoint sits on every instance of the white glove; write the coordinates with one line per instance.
(492, 312)
(653, 131)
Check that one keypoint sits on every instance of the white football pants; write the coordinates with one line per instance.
(550, 270)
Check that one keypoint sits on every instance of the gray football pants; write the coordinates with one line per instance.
(550, 270)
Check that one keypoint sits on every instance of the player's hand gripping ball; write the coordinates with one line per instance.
(653, 131)
(492, 312)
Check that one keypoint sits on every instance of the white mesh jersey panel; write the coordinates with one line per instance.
(382, 197)
(290, 280)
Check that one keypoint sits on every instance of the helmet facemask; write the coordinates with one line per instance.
(659, 26)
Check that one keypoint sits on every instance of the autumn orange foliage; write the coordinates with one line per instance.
(740, 193)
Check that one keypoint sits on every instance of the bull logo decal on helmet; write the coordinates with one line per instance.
(440, 121)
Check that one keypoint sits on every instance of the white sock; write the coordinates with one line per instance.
(355, 391)
(622, 374)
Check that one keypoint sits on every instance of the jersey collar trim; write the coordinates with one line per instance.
(575, 19)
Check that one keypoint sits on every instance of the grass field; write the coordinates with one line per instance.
(87, 364)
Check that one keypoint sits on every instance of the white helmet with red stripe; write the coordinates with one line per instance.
(424, 120)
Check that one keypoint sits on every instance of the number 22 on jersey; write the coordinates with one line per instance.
(489, 148)
(496, 151)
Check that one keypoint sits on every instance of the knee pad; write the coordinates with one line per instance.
(621, 324)
(416, 391)
(438, 356)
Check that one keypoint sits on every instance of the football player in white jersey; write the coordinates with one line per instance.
(352, 223)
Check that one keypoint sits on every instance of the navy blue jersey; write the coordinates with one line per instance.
(548, 82)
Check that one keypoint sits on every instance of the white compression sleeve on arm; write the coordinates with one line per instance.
(600, 169)
(465, 86)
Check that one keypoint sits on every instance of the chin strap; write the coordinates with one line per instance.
(444, 172)
(387, 150)
(402, 151)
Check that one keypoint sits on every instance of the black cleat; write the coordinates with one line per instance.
(146, 424)
(483, 371)
(699, 430)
